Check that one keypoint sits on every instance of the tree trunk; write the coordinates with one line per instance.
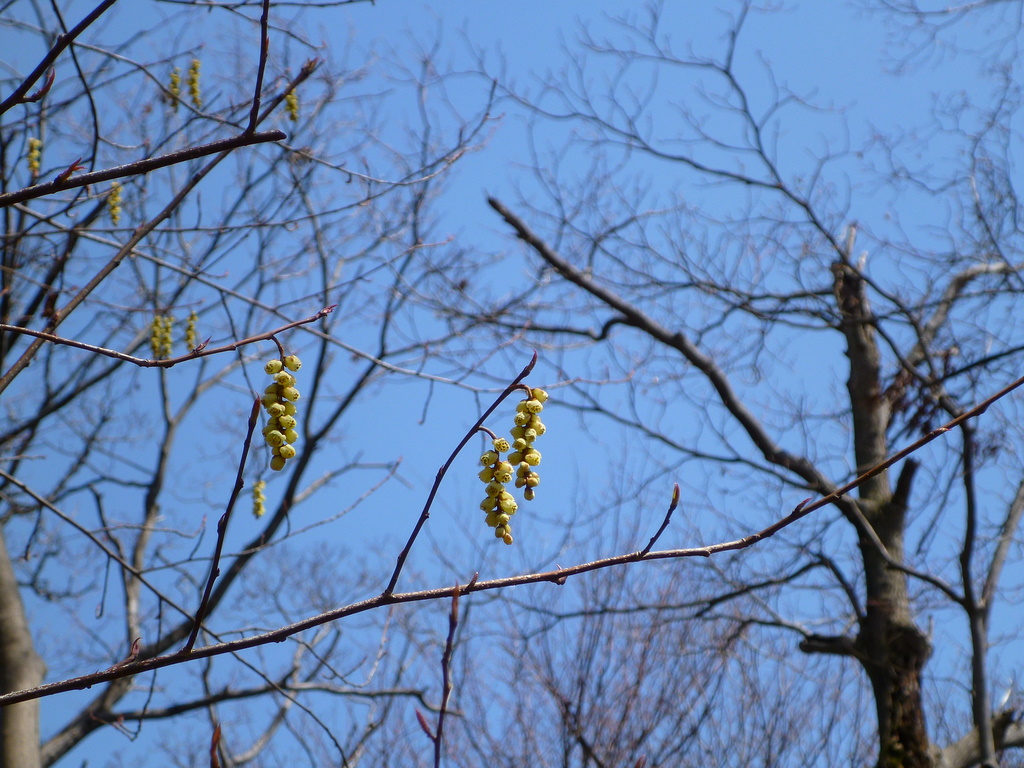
(890, 646)
(20, 667)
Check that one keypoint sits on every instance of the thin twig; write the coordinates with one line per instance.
(143, 362)
(261, 68)
(404, 554)
(222, 528)
(446, 674)
(664, 523)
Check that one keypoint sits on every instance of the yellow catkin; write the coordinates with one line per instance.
(499, 505)
(193, 84)
(281, 431)
(114, 203)
(191, 339)
(35, 155)
(258, 499)
(291, 106)
(174, 87)
(160, 336)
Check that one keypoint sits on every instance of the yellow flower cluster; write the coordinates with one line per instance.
(114, 202)
(160, 338)
(499, 504)
(193, 84)
(258, 499)
(191, 339)
(279, 401)
(35, 155)
(174, 88)
(291, 106)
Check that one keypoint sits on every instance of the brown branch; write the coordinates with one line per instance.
(62, 42)
(141, 167)
(837, 645)
(141, 232)
(679, 341)
(558, 576)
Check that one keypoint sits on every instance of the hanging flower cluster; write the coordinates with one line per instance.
(291, 106)
(114, 203)
(279, 401)
(191, 338)
(259, 499)
(526, 431)
(174, 88)
(500, 504)
(35, 155)
(160, 338)
(193, 84)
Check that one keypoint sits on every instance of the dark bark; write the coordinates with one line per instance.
(890, 646)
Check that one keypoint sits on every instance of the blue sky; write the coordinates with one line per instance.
(831, 54)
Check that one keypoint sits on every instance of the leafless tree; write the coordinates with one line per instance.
(755, 323)
(177, 213)
(245, 193)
